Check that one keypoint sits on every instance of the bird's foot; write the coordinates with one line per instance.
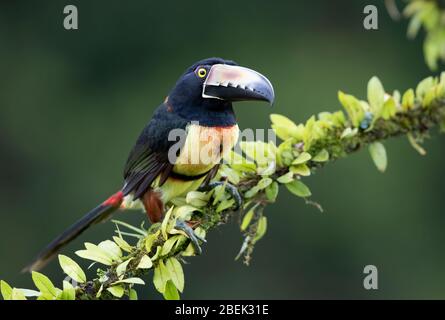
(230, 188)
(188, 229)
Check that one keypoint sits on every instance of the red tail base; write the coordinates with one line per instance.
(115, 200)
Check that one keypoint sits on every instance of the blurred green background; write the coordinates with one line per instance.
(73, 102)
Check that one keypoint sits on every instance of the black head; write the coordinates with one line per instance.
(206, 90)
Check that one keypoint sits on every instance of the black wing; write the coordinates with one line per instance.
(149, 157)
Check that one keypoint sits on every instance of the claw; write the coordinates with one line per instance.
(194, 238)
(230, 188)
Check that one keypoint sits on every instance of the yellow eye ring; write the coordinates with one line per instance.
(202, 72)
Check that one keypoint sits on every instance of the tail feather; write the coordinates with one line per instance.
(98, 214)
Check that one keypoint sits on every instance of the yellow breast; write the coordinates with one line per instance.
(204, 147)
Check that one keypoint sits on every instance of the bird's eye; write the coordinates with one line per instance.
(202, 72)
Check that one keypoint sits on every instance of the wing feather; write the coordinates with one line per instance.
(149, 157)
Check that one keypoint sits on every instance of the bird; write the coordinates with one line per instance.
(167, 160)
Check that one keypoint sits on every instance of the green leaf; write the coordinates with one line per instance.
(376, 94)
(165, 227)
(219, 193)
(429, 97)
(261, 229)
(281, 132)
(176, 273)
(168, 245)
(17, 294)
(283, 127)
(396, 96)
(322, 156)
(134, 280)
(122, 244)
(43, 283)
(239, 163)
(353, 107)
(46, 296)
(150, 239)
(160, 277)
(338, 119)
(30, 293)
(247, 218)
(408, 99)
(226, 204)
(99, 292)
(284, 154)
(440, 90)
(95, 255)
(269, 170)
(272, 191)
(69, 293)
(200, 232)
(256, 150)
(117, 291)
(145, 262)
(185, 212)
(298, 188)
(424, 86)
(281, 120)
(133, 295)
(301, 170)
(389, 109)
(182, 239)
(302, 158)
(286, 178)
(197, 199)
(252, 192)
(232, 175)
(111, 249)
(170, 293)
(6, 290)
(349, 133)
(72, 269)
(122, 268)
(378, 155)
(264, 183)
(189, 251)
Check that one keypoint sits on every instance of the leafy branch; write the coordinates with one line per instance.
(157, 253)
(429, 15)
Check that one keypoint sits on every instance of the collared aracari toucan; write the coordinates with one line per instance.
(200, 104)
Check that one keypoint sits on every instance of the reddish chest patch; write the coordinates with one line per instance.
(204, 147)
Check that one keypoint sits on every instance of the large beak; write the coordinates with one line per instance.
(234, 83)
